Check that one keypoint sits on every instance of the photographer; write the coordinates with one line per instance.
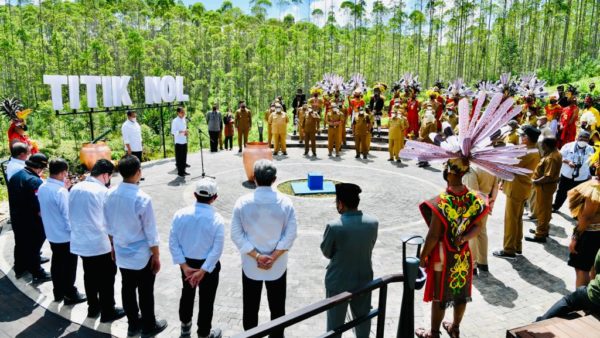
(575, 167)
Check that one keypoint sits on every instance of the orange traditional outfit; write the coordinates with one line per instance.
(412, 110)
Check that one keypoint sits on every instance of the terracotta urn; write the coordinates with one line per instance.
(253, 152)
(90, 153)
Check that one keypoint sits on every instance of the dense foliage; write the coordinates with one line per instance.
(226, 54)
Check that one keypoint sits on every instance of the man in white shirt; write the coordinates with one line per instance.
(263, 228)
(18, 154)
(89, 240)
(132, 135)
(180, 132)
(196, 244)
(575, 167)
(130, 222)
(54, 209)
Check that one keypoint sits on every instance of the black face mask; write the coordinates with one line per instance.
(445, 174)
(24, 127)
(107, 184)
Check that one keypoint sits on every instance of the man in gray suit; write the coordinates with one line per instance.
(348, 242)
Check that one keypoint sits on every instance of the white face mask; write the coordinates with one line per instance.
(582, 144)
(278, 110)
(133, 119)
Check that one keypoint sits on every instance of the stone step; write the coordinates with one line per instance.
(349, 136)
(376, 144)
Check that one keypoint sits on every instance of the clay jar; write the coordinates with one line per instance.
(253, 152)
(90, 153)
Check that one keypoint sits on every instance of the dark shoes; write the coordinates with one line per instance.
(159, 327)
(364, 157)
(483, 267)
(535, 239)
(93, 312)
(284, 153)
(116, 313)
(44, 260)
(41, 277)
(187, 165)
(75, 298)
(214, 333)
(504, 254)
(357, 156)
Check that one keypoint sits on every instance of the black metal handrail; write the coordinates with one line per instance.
(326, 304)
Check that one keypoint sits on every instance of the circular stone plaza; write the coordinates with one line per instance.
(510, 295)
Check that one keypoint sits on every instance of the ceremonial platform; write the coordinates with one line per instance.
(511, 295)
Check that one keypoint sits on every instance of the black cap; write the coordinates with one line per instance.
(347, 192)
(532, 133)
(37, 161)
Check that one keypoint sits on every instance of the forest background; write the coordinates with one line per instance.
(227, 54)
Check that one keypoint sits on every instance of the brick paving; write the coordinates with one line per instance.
(513, 293)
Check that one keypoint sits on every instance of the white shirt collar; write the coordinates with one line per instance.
(55, 181)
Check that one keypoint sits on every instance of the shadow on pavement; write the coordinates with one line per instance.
(556, 249)
(538, 277)
(494, 291)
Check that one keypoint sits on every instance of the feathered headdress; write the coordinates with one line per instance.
(506, 85)
(356, 83)
(332, 83)
(408, 82)
(316, 90)
(458, 88)
(486, 87)
(474, 141)
(13, 109)
(381, 86)
(531, 86)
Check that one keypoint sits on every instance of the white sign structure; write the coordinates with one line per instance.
(157, 90)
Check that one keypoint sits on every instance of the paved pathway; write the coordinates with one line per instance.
(512, 294)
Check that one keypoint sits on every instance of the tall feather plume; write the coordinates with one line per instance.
(463, 126)
(10, 107)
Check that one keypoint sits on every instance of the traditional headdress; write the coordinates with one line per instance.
(474, 143)
(408, 82)
(506, 85)
(381, 86)
(531, 86)
(356, 83)
(13, 109)
(572, 89)
(485, 87)
(316, 90)
(332, 83)
(458, 88)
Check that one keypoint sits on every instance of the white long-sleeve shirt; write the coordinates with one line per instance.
(572, 152)
(13, 166)
(130, 221)
(132, 135)
(266, 221)
(177, 126)
(54, 209)
(86, 213)
(197, 232)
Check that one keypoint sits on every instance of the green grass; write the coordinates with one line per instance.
(581, 84)
(286, 188)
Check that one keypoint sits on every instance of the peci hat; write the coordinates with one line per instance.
(531, 132)
(206, 187)
(37, 161)
(347, 190)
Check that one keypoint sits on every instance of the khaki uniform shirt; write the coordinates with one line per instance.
(549, 166)
(427, 129)
(334, 119)
(512, 138)
(397, 126)
(311, 121)
(243, 119)
(300, 113)
(520, 186)
(278, 123)
(362, 124)
(480, 180)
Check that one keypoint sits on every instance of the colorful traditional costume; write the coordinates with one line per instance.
(13, 109)
(568, 119)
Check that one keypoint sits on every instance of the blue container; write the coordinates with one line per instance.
(315, 181)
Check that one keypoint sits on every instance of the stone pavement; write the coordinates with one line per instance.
(513, 293)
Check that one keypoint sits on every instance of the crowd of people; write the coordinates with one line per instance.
(538, 157)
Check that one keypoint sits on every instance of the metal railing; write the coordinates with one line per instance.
(326, 304)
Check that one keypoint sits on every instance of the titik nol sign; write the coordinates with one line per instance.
(166, 89)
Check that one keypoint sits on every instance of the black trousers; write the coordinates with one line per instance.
(137, 154)
(142, 283)
(207, 290)
(29, 238)
(214, 140)
(251, 291)
(564, 185)
(99, 281)
(229, 142)
(63, 269)
(576, 301)
(180, 158)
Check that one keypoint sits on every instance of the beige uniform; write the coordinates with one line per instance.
(278, 122)
(334, 121)
(517, 192)
(487, 184)
(310, 125)
(360, 130)
(512, 138)
(549, 167)
(301, 114)
(397, 125)
(243, 123)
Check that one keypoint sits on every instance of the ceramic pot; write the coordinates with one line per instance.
(253, 152)
(90, 153)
